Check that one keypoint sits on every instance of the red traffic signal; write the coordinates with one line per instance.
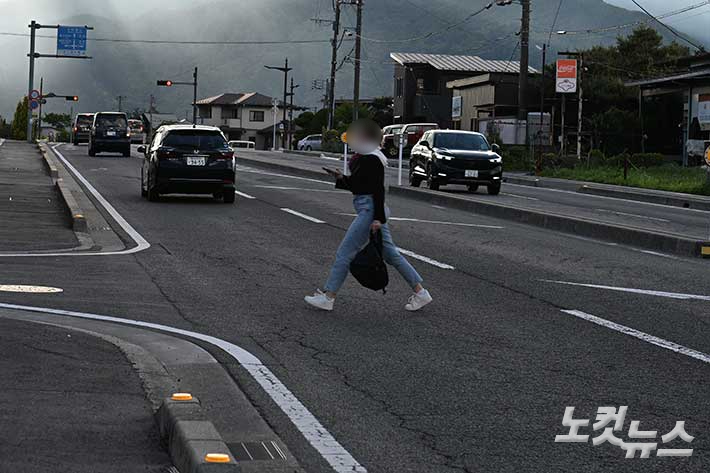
(72, 98)
(165, 83)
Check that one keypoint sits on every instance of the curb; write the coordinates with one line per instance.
(76, 214)
(665, 242)
(394, 162)
(192, 440)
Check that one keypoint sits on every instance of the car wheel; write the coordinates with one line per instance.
(308, 148)
(414, 181)
(144, 193)
(228, 196)
(494, 189)
(127, 152)
(153, 194)
(472, 188)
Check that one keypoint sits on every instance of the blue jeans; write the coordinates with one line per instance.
(357, 237)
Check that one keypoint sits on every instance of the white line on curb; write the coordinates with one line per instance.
(425, 259)
(315, 433)
(669, 295)
(303, 216)
(141, 243)
(246, 196)
(705, 358)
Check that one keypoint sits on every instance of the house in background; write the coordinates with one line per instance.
(246, 116)
(420, 83)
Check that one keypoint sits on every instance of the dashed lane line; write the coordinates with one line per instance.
(340, 460)
(246, 196)
(301, 215)
(660, 342)
(305, 189)
(426, 259)
(266, 173)
(646, 292)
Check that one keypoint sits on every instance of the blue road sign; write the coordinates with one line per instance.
(71, 41)
(34, 104)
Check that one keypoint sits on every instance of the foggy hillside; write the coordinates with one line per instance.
(130, 69)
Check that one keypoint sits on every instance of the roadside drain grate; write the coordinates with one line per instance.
(250, 451)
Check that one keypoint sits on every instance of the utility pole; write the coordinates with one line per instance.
(524, 62)
(194, 97)
(30, 86)
(285, 69)
(538, 168)
(120, 102)
(358, 54)
(333, 65)
(290, 114)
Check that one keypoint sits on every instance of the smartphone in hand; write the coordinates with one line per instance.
(332, 172)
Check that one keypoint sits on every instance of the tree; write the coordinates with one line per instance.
(59, 121)
(5, 129)
(19, 121)
(383, 111)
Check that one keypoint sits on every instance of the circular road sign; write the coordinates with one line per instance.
(34, 94)
(34, 104)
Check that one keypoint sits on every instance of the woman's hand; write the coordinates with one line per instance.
(375, 226)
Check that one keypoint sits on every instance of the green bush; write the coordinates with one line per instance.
(648, 160)
(596, 157)
(332, 142)
(515, 158)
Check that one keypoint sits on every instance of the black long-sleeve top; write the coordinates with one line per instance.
(367, 177)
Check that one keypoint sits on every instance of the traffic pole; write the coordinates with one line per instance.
(358, 55)
(194, 98)
(345, 160)
(401, 145)
(39, 116)
(30, 85)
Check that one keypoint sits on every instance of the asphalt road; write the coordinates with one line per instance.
(478, 381)
(688, 222)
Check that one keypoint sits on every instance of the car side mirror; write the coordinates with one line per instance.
(425, 144)
(141, 149)
(496, 148)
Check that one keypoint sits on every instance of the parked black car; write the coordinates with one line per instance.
(110, 132)
(187, 159)
(456, 157)
(81, 128)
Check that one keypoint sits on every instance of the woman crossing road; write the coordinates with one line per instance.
(367, 183)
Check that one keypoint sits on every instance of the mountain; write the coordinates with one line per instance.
(131, 69)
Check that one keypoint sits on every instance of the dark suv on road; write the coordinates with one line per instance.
(188, 159)
(81, 128)
(456, 157)
(110, 132)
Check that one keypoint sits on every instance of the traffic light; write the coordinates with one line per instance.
(165, 83)
(72, 98)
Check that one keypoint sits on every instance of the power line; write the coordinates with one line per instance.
(675, 33)
(554, 22)
(449, 27)
(149, 41)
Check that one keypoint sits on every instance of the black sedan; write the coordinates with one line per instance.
(187, 159)
(456, 157)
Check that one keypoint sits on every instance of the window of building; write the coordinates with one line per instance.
(399, 85)
(206, 112)
(256, 116)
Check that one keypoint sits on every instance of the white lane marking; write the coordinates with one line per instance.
(437, 222)
(141, 243)
(660, 342)
(2, 141)
(624, 214)
(304, 216)
(425, 259)
(283, 188)
(29, 289)
(439, 207)
(655, 253)
(591, 240)
(331, 159)
(602, 197)
(670, 295)
(246, 196)
(315, 433)
(519, 196)
(265, 173)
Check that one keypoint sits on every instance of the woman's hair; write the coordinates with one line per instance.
(367, 129)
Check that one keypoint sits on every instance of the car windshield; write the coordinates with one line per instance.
(462, 141)
(394, 130)
(114, 121)
(84, 120)
(194, 139)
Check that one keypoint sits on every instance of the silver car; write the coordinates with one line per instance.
(311, 143)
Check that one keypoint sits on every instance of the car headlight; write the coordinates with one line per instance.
(443, 156)
(497, 160)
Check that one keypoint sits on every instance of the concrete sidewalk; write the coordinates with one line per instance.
(33, 215)
(70, 401)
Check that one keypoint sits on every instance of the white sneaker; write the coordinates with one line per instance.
(418, 300)
(320, 300)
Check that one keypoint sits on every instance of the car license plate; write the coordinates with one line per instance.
(110, 133)
(471, 173)
(196, 160)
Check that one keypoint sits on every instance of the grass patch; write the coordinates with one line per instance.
(671, 178)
